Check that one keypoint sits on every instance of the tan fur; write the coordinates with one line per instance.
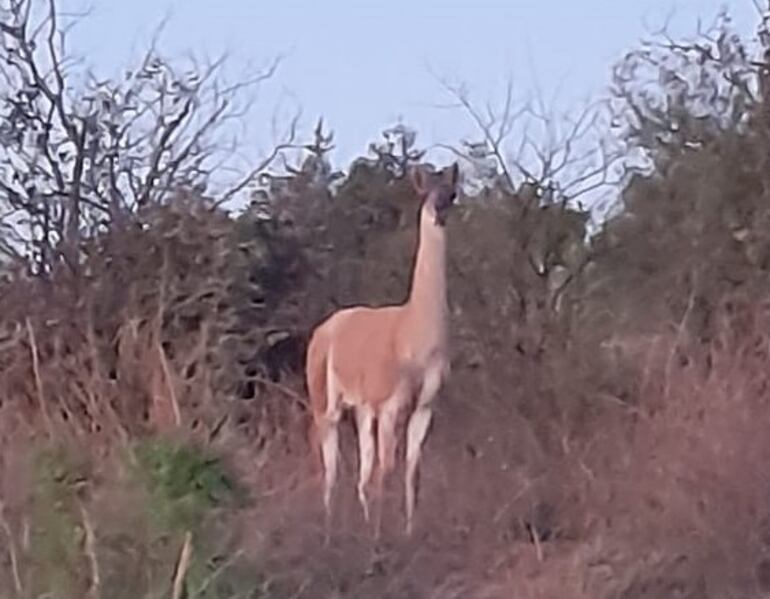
(378, 361)
(315, 377)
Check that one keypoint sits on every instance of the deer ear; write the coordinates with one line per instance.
(452, 174)
(418, 180)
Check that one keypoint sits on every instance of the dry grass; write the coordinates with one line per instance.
(572, 455)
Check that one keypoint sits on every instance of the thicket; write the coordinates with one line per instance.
(604, 431)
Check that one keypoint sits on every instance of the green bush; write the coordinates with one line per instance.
(182, 484)
(56, 533)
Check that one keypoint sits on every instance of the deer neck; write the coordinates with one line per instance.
(426, 307)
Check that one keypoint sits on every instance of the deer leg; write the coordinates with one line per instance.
(386, 442)
(417, 429)
(330, 448)
(364, 422)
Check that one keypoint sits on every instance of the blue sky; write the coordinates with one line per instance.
(365, 65)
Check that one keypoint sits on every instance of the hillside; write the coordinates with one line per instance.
(604, 428)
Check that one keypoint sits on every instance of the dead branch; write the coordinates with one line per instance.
(38, 379)
(14, 559)
(494, 130)
(565, 157)
(217, 572)
(90, 550)
(182, 566)
(170, 387)
(74, 159)
(252, 176)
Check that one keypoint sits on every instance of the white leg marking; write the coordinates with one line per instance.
(415, 436)
(330, 449)
(364, 422)
(386, 442)
(330, 437)
(386, 433)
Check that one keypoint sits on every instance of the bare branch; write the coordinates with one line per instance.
(250, 177)
(486, 127)
(75, 157)
(564, 156)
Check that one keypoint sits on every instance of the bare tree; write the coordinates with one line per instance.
(74, 157)
(563, 157)
(551, 163)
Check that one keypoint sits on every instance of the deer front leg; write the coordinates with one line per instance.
(364, 422)
(386, 442)
(415, 436)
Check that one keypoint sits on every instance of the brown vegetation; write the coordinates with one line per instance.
(603, 432)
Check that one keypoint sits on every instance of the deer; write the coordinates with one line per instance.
(381, 360)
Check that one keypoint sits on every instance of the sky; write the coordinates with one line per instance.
(366, 65)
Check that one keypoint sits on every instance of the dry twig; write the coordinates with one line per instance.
(182, 566)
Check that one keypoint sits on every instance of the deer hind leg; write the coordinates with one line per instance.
(417, 429)
(386, 444)
(364, 422)
(330, 445)
(330, 450)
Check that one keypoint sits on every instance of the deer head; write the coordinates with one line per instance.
(437, 191)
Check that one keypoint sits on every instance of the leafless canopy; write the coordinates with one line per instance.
(78, 152)
(564, 156)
